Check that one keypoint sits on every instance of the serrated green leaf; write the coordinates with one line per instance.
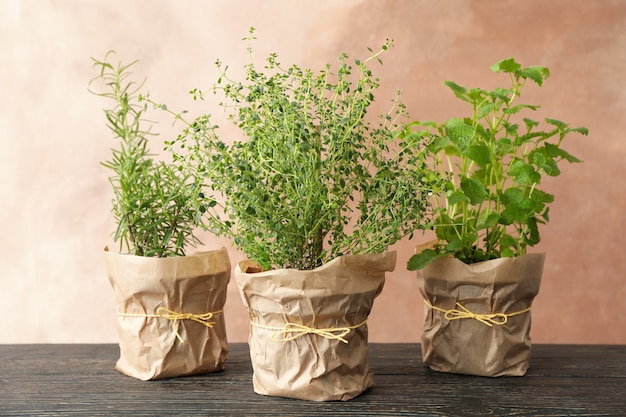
(555, 151)
(469, 239)
(536, 73)
(484, 110)
(458, 90)
(454, 245)
(445, 229)
(524, 173)
(533, 232)
(480, 153)
(581, 130)
(541, 197)
(530, 123)
(456, 197)
(506, 65)
(422, 259)
(459, 133)
(518, 108)
(489, 221)
(507, 241)
(476, 94)
(474, 190)
(559, 124)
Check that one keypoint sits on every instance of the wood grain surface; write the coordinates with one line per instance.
(80, 379)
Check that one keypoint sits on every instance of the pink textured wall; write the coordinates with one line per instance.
(54, 196)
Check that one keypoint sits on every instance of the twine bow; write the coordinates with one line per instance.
(175, 316)
(292, 331)
(488, 319)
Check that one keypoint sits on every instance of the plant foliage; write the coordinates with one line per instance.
(493, 162)
(155, 205)
(314, 178)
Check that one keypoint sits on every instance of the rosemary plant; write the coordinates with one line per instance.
(156, 205)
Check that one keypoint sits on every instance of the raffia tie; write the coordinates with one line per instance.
(291, 331)
(164, 313)
(488, 319)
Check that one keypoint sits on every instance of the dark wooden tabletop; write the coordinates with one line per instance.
(80, 379)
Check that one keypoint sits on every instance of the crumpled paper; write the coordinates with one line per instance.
(156, 298)
(498, 290)
(299, 318)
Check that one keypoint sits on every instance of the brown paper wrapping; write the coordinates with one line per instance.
(339, 294)
(195, 284)
(466, 345)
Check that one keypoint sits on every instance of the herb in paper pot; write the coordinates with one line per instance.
(170, 318)
(477, 279)
(314, 196)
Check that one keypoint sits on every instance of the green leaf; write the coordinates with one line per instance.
(536, 73)
(555, 151)
(460, 133)
(581, 130)
(533, 232)
(514, 208)
(474, 190)
(458, 90)
(456, 197)
(507, 65)
(542, 160)
(480, 153)
(484, 110)
(420, 260)
(489, 221)
(454, 245)
(518, 108)
(469, 239)
(445, 229)
(541, 197)
(559, 124)
(524, 173)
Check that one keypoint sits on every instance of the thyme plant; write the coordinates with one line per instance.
(493, 162)
(314, 177)
(156, 205)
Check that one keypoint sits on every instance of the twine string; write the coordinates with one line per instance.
(488, 319)
(175, 317)
(291, 331)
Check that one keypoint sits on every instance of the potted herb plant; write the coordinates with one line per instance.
(169, 304)
(477, 280)
(314, 195)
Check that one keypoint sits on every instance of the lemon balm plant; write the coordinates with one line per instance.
(170, 320)
(493, 162)
(477, 280)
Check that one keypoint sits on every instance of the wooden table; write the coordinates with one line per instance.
(80, 379)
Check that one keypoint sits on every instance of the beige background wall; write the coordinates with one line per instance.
(54, 196)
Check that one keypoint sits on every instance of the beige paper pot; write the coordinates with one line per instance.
(170, 317)
(308, 333)
(477, 317)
